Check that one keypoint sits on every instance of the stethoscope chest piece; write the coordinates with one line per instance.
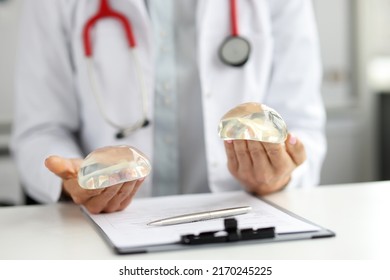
(235, 51)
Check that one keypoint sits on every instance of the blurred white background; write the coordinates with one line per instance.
(353, 33)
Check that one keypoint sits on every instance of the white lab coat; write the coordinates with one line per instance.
(56, 112)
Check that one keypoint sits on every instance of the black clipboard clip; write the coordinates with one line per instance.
(230, 234)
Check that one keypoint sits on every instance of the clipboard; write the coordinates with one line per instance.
(127, 232)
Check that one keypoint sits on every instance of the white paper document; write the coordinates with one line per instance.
(128, 228)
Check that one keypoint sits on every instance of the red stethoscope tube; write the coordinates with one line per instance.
(233, 17)
(105, 11)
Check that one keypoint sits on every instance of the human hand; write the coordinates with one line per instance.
(264, 168)
(111, 199)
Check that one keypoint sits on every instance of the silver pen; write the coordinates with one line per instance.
(200, 216)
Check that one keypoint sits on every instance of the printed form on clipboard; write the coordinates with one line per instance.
(128, 231)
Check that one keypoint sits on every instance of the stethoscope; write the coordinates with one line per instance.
(234, 51)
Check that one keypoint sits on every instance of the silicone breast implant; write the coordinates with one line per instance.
(112, 165)
(253, 121)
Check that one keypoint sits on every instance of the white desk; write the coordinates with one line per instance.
(357, 213)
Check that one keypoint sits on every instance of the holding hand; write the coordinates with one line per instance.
(111, 199)
(263, 168)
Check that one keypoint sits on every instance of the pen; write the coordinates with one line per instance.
(200, 216)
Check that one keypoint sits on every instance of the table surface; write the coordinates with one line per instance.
(357, 213)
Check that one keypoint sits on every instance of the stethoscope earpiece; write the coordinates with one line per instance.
(145, 123)
(120, 135)
(125, 132)
(235, 51)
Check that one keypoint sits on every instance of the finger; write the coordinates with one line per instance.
(122, 197)
(78, 194)
(231, 156)
(295, 149)
(127, 201)
(277, 155)
(122, 194)
(96, 204)
(259, 156)
(62, 167)
(243, 157)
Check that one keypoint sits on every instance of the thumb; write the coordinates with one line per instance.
(295, 149)
(63, 167)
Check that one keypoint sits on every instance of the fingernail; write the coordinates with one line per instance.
(292, 140)
(229, 141)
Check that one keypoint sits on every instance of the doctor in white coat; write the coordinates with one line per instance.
(180, 85)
